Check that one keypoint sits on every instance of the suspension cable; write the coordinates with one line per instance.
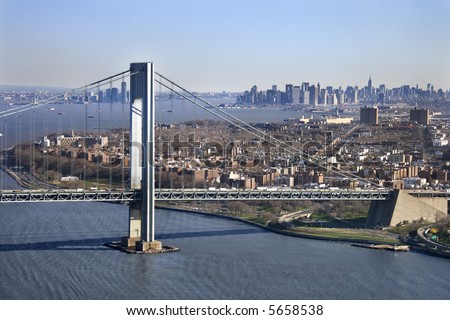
(59, 97)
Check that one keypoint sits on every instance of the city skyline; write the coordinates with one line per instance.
(227, 46)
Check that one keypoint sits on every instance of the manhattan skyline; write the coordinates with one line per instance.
(215, 46)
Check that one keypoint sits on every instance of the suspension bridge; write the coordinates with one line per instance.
(141, 192)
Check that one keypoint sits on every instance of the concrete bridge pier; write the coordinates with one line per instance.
(142, 134)
(405, 206)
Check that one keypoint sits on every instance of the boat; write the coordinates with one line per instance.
(90, 117)
(51, 109)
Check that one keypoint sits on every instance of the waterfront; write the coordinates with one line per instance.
(55, 251)
(65, 117)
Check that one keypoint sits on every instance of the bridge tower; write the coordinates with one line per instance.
(141, 231)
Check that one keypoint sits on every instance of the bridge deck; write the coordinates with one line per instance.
(191, 194)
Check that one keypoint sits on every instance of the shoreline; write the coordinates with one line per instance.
(275, 230)
(16, 178)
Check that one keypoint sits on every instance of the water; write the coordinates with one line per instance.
(54, 251)
(65, 117)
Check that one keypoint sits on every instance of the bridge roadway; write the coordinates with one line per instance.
(190, 194)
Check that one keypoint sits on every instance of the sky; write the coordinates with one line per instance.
(218, 45)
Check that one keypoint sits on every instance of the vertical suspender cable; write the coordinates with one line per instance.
(30, 142)
(2, 155)
(16, 147)
(45, 155)
(59, 163)
(85, 148)
(122, 142)
(98, 130)
(110, 133)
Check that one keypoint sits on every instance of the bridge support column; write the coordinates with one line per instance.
(142, 134)
(406, 207)
(134, 225)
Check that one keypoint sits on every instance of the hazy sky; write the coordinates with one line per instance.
(215, 45)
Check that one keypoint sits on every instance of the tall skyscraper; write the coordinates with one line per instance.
(305, 86)
(368, 115)
(107, 96)
(123, 92)
(369, 87)
(296, 95)
(254, 94)
(289, 88)
(355, 95)
(313, 95)
(114, 95)
(305, 97)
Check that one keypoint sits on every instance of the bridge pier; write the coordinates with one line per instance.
(134, 225)
(406, 207)
(141, 233)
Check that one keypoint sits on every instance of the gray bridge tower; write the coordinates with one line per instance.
(142, 131)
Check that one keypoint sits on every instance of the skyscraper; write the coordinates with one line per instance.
(305, 86)
(289, 88)
(254, 95)
(114, 95)
(296, 95)
(369, 87)
(123, 92)
(313, 95)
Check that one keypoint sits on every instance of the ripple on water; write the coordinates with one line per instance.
(54, 251)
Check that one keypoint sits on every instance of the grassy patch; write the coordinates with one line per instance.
(349, 234)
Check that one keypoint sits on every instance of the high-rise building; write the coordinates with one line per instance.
(100, 96)
(405, 91)
(296, 95)
(331, 99)
(289, 88)
(421, 116)
(271, 96)
(323, 96)
(369, 87)
(305, 86)
(114, 95)
(368, 115)
(107, 96)
(305, 97)
(313, 95)
(254, 94)
(123, 92)
(329, 90)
